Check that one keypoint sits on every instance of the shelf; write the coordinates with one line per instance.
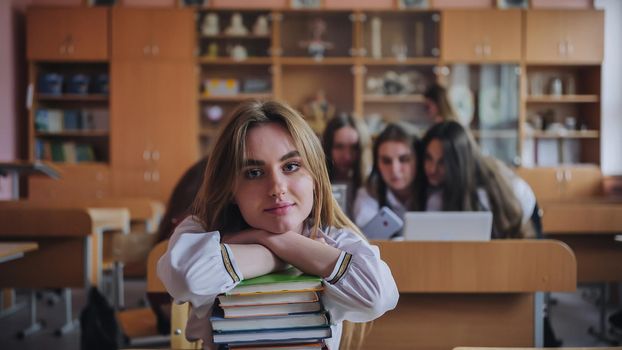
(394, 98)
(72, 97)
(208, 132)
(235, 37)
(563, 99)
(581, 134)
(76, 133)
(204, 60)
(411, 61)
(236, 98)
(309, 61)
(500, 134)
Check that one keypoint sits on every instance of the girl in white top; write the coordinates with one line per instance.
(266, 202)
(459, 178)
(392, 179)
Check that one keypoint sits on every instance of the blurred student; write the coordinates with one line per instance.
(392, 179)
(347, 144)
(437, 104)
(457, 177)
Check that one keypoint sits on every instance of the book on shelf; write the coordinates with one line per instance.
(273, 335)
(221, 324)
(57, 151)
(72, 119)
(289, 280)
(271, 310)
(69, 152)
(267, 298)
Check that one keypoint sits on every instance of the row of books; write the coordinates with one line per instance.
(58, 120)
(281, 310)
(66, 151)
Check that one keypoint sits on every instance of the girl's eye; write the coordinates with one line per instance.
(253, 173)
(291, 167)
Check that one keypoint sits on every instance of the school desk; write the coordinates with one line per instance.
(470, 293)
(16, 250)
(17, 168)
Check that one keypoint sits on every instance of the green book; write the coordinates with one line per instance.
(287, 281)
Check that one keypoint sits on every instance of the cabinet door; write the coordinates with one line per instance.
(174, 34)
(131, 33)
(175, 142)
(481, 35)
(132, 122)
(545, 182)
(564, 36)
(582, 181)
(69, 34)
(79, 181)
(153, 34)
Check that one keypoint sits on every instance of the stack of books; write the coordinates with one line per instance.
(281, 310)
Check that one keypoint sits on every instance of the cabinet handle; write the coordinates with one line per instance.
(155, 176)
(147, 50)
(70, 49)
(147, 176)
(561, 48)
(567, 175)
(478, 50)
(569, 47)
(62, 49)
(487, 50)
(155, 155)
(146, 155)
(155, 49)
(559, 175)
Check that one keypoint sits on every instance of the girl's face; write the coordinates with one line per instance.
(345, 149)
(396, 162)
(434, 163)
(432, 109)
(274, 191)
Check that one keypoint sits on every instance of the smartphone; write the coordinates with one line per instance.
(384, 225)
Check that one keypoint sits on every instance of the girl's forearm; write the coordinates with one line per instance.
(306, 254)
(255, 260)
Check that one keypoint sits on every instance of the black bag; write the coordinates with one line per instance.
(98, 324)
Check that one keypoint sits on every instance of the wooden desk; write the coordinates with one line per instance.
(470, 293)
(12, 251)
(589, 226)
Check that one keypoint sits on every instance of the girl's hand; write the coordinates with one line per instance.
(250, 236)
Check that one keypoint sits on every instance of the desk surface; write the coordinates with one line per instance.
(11, 251)
(24, 167)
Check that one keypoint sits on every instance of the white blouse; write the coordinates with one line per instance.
(197, 267)
(366, 207)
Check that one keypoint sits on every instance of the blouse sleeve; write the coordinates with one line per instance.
(365, 207)
(197, 267)
(361, 287)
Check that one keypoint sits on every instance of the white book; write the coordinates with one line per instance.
(267, 299)
(270, 310)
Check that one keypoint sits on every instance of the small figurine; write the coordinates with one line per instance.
(238, 53)
(400, 50)
(236, 28)
(214, 113)
(212, 50)
(209, 27)
(261, 28)
(318, 111)
(376, 37)
(317, 46)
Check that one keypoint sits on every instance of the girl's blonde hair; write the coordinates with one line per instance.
(214, 206)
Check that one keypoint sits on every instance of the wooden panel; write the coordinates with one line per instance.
(78, 182)
(583, 181)
(131, 34)
(598, 257)
(555, 183)
(174, 34)
(482, 35)
(497, 266)
(564, 36)
(69, 34)
(17, 220)
(443, 321)
(582, 217)
(154, 285)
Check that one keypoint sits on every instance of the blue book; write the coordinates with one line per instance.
(72, 119)
(221, 324)
(41, 120)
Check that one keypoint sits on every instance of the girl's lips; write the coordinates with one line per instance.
(280, 209)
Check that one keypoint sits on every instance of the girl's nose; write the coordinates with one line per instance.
(278, 187)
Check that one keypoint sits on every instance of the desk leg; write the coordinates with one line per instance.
(70, 323)
(9, 305)
(601, 332)
(538, 322)
(35, 325)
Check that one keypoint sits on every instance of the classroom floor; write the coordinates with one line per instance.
(571, 316)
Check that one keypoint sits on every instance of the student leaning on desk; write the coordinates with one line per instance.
(456, 176)
(266, 201)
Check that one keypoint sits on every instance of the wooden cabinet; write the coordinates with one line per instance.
(481, 36)
(558, 183)
(91, 181)
(564, 36)
(153, 111)
(67, 33)
(160, 34)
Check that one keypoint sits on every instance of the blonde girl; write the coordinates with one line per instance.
(265, 202)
